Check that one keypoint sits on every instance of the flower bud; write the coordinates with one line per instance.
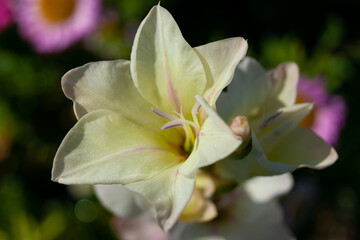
(240, 127)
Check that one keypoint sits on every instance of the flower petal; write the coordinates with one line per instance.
(169, 191)
(215, 141)
(284, 79)
(263, 189)
(246, 93)
(108, 85)
(121, 201)
(138, 228)
(240, 218)
(106, 148)
(254, 164)
(270, 130)
(233, 169)
(303, 148)
(220, 60)
(164, 67)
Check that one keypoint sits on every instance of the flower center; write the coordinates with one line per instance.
(308, 121)
(191, 128)
(57, 10)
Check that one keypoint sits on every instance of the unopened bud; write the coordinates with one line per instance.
(240, 127)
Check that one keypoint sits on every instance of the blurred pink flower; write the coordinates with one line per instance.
(329, 113)
(5, 14)
(142, 227)
(53, 25)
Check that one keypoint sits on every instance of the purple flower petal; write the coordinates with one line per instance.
(329, 114)
(5, 14)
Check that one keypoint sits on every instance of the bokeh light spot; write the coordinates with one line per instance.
(85, 210)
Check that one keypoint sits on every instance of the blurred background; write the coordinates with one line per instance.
(40, 40)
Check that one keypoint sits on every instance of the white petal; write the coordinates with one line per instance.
(215, 141)
(165, 68)
(169, 191)
(284, 79)
(242, 219)
(220, 60)
(303, 148)
(263, 189)
(246, 93)
(121, 201)
(105, 147)
(271, 129)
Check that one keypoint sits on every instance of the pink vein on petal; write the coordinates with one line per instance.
(118, 154)
(176, 174)
(170, 87)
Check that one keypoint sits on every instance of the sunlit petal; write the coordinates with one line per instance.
(104, 147)
(165, 68)
(220, 60)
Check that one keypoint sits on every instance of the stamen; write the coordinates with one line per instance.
(191, 128)
(173, 123)
(194, 111)
(163, 114)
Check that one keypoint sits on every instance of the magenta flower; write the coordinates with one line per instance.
(54, 25)
(328, 115)
(5, 14)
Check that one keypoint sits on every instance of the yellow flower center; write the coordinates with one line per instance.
(308, 121)
(57, 10)
(191, 128)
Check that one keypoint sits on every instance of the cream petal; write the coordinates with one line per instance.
(303, 148)
(121, 201)
(284, 79)
(106, 148)
(271, 129)
(165, 68)
(103, 85)
(169, 191)
(246, 93)
(258, 163)
(242, 219)
(220, 60)
(263, 189)
(108, 85)
(215, 141)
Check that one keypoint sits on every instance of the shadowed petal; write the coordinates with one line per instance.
(169, 191)
(303, 148)
(284, 79)
(270, 130)
(121, 201)
(246, 93)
